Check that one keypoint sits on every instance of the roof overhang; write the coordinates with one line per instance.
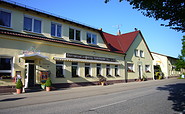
(85, 61)
(33, 56)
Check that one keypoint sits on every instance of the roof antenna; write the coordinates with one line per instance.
(135, 29)
(118, 27)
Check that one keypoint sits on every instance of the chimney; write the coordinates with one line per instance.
(100, 29)
(119, 32)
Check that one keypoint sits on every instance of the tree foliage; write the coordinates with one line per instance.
(181, 61)
(167, 10)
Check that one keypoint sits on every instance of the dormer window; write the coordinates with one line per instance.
(91, 38)
(56, 29)
(32, 25)
(5, 18)
(74, 34)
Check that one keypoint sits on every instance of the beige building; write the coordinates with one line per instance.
(166, 64)
(35, 45)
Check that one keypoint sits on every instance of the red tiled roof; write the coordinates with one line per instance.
(120, 43)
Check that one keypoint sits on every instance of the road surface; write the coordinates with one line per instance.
(151, 97)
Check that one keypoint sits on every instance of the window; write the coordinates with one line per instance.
(32, 25)
(5, 66)
(136, 53)
(59, 69)
(91, 38)
(87, 70)
(5, 19)
(116, 70)
(74, 34)
(130, 67)
(98, 71)
(56, 29)
(74, 69)
(141, 53)
(147, 68)
(108, 70)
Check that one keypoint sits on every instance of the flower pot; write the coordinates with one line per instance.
(48, 88)
(19, 91)
(102, 83)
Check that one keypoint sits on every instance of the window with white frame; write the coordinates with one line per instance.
(87, 70)
(98, 70)
(91, 38)
(74, 69)
(116, 69)
(59, 69)
(56, 29)
(136, 52)
(5, 18)
(32, 24)
(5, 67)
(130, 67)
(141, 53)
(108, 70)
(74, 34)
(147, 68)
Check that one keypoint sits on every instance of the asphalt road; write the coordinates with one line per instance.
(151, 97)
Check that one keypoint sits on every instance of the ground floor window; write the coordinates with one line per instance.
(130, 67)
(74, 69)
(5, 67)
(116, 70)
(147, 68)
(87, 70)
(108, 70)
(98, 70)
(59, 69)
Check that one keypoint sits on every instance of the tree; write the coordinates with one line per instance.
(167, 10)
(181, 61)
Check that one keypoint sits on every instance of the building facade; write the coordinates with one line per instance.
(36, 45)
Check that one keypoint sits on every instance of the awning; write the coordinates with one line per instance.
(33, 56)
(84, 61)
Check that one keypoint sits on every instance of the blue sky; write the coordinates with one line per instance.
(100, 15)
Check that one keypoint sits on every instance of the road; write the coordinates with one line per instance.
(150, 97)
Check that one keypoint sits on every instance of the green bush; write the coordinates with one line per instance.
(48, 82)
(19, 84)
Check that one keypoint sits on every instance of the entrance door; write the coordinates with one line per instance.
(140, 71)
(29, 75)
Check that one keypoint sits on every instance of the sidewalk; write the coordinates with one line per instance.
(15, 100)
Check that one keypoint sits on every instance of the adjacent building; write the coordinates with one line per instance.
(166, 64)
(138, 59)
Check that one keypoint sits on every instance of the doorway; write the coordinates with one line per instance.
(140, 71)
(29, 75)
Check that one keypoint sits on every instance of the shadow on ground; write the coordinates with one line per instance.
(176, 94)
(12, 99)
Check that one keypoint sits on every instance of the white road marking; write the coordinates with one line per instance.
(107, 105)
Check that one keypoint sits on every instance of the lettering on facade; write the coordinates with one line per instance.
(31, 50)
(77, 56)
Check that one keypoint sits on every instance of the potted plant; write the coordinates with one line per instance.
(48, 84)
(19, 86)
(102, 80)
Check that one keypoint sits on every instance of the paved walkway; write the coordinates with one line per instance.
(15, 100)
